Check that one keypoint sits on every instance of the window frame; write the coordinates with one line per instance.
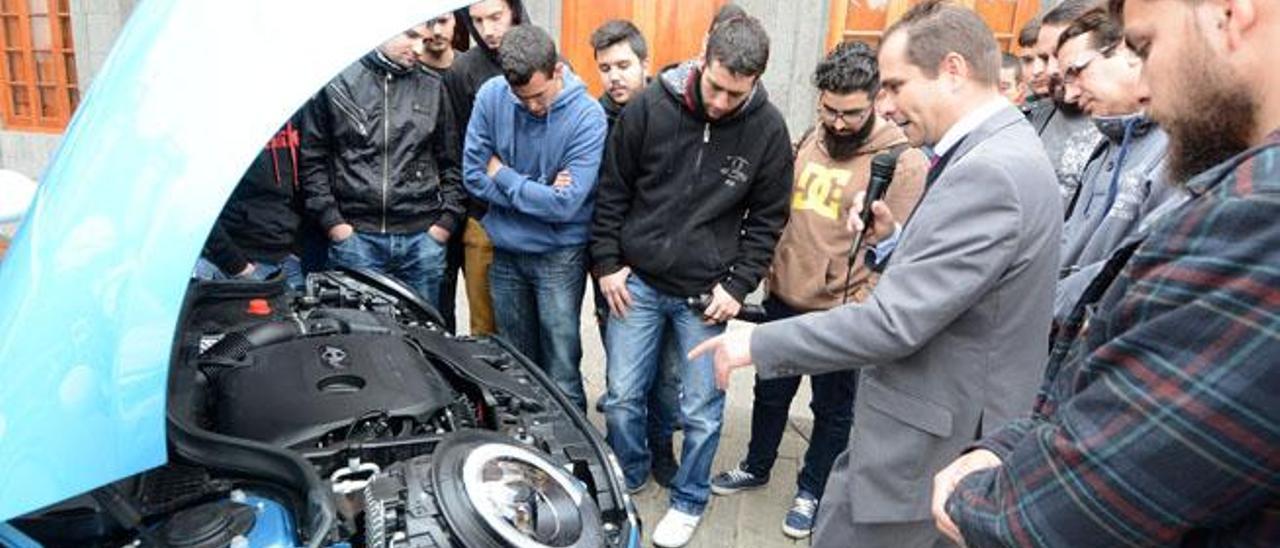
(65, 87)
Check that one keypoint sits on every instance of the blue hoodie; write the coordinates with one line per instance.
(526, 213)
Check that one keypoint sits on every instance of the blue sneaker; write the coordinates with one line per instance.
(737, 479)
(799, 520)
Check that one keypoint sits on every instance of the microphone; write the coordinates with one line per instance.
(753, 313)
(882, 168)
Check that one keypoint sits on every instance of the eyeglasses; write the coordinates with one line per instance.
(854, 117)
(1073, 71)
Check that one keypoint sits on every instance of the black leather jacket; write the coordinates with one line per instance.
(378, 151)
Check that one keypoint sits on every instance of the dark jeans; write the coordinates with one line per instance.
(832, 406)
(664, 397)
(537, 304)
(416, 259)
(289, 267)
(449, 286)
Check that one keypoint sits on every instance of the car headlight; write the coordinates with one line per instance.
(494, 492)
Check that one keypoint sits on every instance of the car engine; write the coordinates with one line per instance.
(347, 415)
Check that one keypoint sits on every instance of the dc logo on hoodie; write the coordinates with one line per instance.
(734, 170)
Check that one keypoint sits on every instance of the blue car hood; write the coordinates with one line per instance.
(91, 289)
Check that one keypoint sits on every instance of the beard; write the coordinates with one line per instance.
(842, 146)
(1199, 137)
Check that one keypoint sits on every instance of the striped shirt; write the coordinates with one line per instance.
(1159, 421)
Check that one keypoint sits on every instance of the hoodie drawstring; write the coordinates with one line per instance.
(287, 137)
(295, 141)
(1114, 188)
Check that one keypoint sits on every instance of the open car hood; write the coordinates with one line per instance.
(91, 289)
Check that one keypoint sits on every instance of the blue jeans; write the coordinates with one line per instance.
(537, 306)
(416, 259)
(634, 344)
(289, 267)
(664, 400)
(832, 405)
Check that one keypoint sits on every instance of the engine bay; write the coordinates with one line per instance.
(347, 415)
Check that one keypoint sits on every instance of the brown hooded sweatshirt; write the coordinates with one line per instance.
(811, 260)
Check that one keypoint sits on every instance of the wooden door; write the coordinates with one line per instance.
(866, 20)
(674, 30)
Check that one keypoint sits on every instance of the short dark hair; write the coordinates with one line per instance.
(1102, 29)
(1009, 61)
(935, 28)
(848, 68)
(1030, 33)
(725, 13)
(1067, 11)
(615, 32)
(525, 50)
(741, 45)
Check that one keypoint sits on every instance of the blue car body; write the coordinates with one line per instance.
(91, 289)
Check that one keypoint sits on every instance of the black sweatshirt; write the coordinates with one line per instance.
(687, 202)
(260, 221)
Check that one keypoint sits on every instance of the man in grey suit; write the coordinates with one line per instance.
(955, 335)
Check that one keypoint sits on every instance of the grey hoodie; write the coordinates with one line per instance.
(1123, 188)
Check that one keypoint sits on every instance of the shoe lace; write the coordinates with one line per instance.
(805, 506)
(738, 474)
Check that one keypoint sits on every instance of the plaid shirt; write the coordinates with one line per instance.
(1159, 421)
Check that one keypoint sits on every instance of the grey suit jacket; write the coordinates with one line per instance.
(957, 329)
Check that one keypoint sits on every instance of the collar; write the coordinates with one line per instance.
(968, 123)
(381, 61)
(1114, 127)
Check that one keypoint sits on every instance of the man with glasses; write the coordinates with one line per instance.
(810, 269)
(1123, 186)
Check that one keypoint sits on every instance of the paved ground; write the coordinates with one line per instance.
(752, 518)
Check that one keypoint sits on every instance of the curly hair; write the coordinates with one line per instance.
(850, 67)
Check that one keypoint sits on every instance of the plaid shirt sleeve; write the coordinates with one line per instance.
(1167, 429)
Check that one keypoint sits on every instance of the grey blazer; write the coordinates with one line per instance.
(955, 334)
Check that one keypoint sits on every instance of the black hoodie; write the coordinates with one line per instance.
(470, 70)
(475, 66)
(688, 202)
(260, 221)
(611, 108)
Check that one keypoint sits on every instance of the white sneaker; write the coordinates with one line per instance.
(675, 529)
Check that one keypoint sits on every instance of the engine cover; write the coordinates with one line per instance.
(293, 392)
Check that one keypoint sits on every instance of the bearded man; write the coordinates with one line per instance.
(1158, 423)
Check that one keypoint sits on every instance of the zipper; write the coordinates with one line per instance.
(349, 108)
(386, 137)
(706, 138)
(697, 178)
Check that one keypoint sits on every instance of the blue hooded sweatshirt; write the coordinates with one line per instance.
(527, 214)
